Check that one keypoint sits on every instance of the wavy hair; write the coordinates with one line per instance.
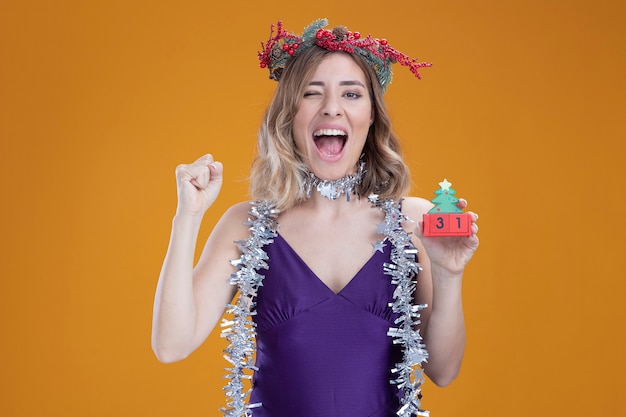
(278, 173)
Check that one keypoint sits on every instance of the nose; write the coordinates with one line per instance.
(331, 107)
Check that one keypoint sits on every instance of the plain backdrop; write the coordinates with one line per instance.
(523, 111)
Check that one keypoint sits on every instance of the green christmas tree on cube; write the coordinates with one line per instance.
(445, 200)
(446, 218)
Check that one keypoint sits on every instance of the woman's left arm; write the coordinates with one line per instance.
(439, 284)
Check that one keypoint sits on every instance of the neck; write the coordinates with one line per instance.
(333, 189)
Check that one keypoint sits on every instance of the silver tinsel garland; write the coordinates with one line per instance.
(332, 189)
(408, 374)
(240, 331)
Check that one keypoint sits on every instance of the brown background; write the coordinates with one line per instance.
(523, 112)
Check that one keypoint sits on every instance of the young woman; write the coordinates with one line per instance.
(325, 258)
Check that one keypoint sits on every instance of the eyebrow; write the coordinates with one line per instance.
(348, 82)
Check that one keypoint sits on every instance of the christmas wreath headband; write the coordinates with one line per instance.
(282, 46)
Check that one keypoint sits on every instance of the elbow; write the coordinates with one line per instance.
(168, 355)
(442, 381)
(166, 358)
(444, 377)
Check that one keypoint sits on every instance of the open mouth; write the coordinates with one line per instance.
(330, 142)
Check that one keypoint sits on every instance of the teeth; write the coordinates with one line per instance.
(329, 132)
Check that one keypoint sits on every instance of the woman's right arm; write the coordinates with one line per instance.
(189, 301)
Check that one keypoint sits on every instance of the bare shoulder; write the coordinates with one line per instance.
(415, 207)
(237, 212)
(231, 225)
(220, 247)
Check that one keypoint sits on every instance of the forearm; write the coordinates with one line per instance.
(445, 333)
(174, 316)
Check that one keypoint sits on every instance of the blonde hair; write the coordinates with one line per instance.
(278, 173)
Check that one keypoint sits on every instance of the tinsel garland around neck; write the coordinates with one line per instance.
(333, 189)
(240, 331)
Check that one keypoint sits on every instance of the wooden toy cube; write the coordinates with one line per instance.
(447, 224)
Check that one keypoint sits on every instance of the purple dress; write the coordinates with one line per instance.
(322, 354)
